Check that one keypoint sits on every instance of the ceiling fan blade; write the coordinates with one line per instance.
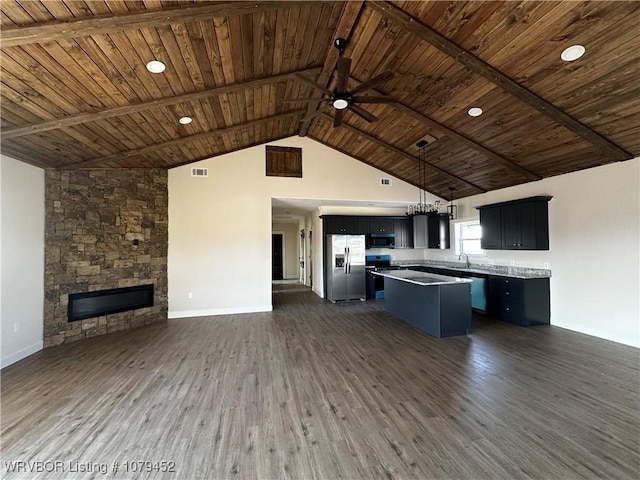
(312, 84)
(344, 65)
(337, 119)
(374, 99)
(314, 114)
(369, 117)
(304, 100)
(373, 82)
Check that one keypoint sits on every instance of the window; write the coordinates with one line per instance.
(468, 238)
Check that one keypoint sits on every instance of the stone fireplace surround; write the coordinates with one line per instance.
(94, 218)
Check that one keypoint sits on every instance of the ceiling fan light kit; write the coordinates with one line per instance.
(340, 98)
(340, 103)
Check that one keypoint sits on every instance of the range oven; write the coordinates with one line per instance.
(375, 284)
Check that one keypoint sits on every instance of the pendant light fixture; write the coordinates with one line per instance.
(452, 209)
(422, 207)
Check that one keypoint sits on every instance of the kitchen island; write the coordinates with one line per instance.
(436, 304)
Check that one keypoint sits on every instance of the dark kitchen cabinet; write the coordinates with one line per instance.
(403, 230)
(491, 222)
(524, 302)
(516, 225)
(362, 226)
(431, 231)
(341, 224)
(380, 225)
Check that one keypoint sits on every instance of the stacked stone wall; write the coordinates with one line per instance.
(94, 219)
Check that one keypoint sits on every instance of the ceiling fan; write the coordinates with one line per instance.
(341, 98)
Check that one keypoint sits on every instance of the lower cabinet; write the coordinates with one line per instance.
(524, 302)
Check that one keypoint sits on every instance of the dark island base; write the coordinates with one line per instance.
(439, 310)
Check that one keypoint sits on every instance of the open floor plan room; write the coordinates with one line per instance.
(326, 391)
(319, 240)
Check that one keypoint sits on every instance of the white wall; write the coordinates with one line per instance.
(21, 259)
(220, 225)
(594, 244)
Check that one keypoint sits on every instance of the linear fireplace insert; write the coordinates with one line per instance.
(103, 302)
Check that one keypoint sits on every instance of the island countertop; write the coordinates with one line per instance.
(494, 270)
(421, 278)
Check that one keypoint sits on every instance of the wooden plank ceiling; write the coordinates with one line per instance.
(76, 93)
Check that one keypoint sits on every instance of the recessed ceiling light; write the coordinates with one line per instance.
(185, 120)
(154, 66)
(572, 53)
(475, 112)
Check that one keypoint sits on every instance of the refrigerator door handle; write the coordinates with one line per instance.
(349, 262)
(346, 259)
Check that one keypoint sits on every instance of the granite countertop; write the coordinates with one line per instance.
(421, 278)
(502, 271)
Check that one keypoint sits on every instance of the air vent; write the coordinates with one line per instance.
(199, 172)
(385, 182)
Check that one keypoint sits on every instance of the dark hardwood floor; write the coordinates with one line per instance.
(314, 390)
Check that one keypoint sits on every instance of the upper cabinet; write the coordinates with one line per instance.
(341, 224)
(516, 225)
(380, 225)
(431, 231)
(491, 223)
(403, 230)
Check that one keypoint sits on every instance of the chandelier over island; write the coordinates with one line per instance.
(422, 207)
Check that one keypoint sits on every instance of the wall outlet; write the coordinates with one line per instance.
(546, 265)
(16, 327)
(513, 263)
(190, 295)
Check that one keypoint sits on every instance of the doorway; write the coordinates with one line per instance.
(277, 256)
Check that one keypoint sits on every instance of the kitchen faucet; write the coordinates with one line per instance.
(466, 257)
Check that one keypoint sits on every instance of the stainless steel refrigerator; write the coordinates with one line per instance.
(345, 262)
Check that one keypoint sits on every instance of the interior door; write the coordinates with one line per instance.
(277, 257)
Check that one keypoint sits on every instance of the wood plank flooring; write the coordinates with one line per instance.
(314, 390)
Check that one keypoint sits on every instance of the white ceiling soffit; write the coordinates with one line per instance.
(302, 206)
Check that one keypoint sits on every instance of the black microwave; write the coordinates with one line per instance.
(382, 240)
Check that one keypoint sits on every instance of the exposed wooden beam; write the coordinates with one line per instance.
(181, 141)
(449, 132)
(466, 140)
(82, 27)
(402, 153)
(138, 107)
(348, 19)
(480, 67)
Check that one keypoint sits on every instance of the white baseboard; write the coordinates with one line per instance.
(25, 352)
(633, 341)
(220, 311)
(317, 292)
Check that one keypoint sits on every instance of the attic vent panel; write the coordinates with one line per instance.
(385, 182)
(284, 162)
(199, 172)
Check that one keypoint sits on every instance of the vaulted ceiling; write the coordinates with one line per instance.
(76, 94)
